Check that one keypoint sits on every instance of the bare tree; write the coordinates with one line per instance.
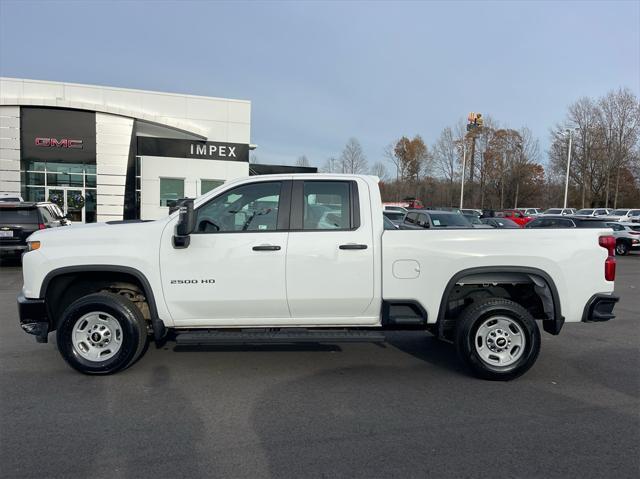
(331, 165)
(445, 159)
(303, 161)
(378, 169)
(352, 159)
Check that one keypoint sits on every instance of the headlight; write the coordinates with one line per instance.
(33, 245)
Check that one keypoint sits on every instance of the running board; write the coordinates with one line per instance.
(284, 336)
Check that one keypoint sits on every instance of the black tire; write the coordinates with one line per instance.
(475, 316)
(130, 320)
(622, 248)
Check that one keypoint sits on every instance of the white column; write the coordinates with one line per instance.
(113, 137)
(9, 149)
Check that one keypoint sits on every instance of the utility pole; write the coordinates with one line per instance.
(569, 131)
(464, 160)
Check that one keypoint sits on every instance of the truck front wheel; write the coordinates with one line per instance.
(101, 333)
(498, 339)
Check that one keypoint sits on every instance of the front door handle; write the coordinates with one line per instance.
(353, 246)
(266, 247)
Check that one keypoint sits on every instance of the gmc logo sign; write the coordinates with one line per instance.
(58, 143)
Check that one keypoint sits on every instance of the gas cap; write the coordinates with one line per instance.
(406, 269)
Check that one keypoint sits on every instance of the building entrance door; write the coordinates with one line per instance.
(70, 200)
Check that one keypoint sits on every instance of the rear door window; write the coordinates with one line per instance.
(327, 205)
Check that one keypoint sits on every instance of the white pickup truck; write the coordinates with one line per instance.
(296, 258)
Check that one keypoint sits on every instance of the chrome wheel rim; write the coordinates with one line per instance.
(97, 336)
(500, 341)
(620, 248)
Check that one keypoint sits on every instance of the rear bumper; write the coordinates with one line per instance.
(599, 308)
(33, 317)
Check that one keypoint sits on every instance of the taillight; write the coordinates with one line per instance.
(609, 242)
(41, 226)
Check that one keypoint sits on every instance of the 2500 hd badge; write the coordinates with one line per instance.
(193, 281)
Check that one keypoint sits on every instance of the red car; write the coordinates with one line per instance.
(515, 216)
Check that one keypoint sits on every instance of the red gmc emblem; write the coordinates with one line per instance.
(61, 143)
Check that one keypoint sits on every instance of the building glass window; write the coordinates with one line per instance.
(207, 185)
(171, 190)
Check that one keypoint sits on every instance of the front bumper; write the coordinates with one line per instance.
(12, 248)
(600, 308)
(33, 317)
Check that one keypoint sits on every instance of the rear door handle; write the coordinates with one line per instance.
(353, 246)
(266, 247)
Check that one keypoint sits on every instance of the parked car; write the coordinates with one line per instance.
(418, 219)
(592, 212)
(475, 221)
(531, 211)
(448, 209)
(514, 215)
(395, 216)
(625, 215)
(400, 209)
(11, 198)
(627, 236)
(500, 223)
(474, 212)
(559, 211)
(19, 220)
(565, 221)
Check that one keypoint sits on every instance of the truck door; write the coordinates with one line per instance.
(234, 267)
(330, 251)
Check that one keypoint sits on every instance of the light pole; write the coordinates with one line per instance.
(464, 160)
(568, 131)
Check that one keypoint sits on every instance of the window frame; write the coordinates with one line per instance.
(296, 222)
(284, 208)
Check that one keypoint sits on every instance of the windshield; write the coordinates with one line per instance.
(584, 212)
(473, 219)
(634, 213)
(441, 220)
(619, 212)
(506, 223)
(388, 224)
(394, 215)
(553, 211)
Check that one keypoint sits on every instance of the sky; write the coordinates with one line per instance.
(318, 73)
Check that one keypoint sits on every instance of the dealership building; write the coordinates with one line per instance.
(106, 153)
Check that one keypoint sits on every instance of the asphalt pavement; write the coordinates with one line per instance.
(405, 409)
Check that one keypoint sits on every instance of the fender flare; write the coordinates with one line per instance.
(159, 328)
(552, 326)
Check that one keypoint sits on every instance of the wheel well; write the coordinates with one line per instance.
(64, 289)
(531, 291)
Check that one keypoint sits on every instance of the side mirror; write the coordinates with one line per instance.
(186, 224)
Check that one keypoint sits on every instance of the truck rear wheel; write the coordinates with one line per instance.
(101, 333)
(498, 339)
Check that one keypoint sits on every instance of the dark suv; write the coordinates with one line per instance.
(19, 220)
